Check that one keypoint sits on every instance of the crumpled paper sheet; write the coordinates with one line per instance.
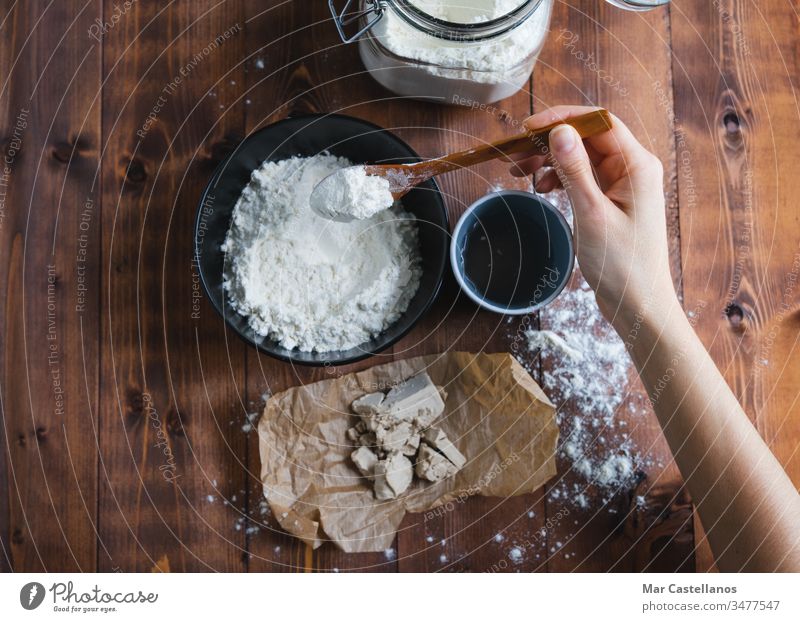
(495, 413)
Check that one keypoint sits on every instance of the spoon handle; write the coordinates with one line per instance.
(535, 141)
(403, 177)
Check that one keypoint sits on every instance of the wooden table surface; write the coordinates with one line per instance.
(111, 364)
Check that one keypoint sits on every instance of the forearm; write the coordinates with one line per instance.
(748, 505)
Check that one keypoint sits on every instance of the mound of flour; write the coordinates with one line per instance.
(308, 282)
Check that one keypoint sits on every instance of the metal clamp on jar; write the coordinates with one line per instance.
(471, 51)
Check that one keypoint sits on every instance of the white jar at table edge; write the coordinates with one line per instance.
(456, 52)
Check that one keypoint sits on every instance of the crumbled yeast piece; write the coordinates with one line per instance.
(395, 438)
(391, 430)
(369, 440)
(437, 439)
(411, 445)
(416, 398)
(365, 461)
(369, 404)
(433, 466)
(392, 476)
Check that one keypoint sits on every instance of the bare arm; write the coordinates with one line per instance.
(748, 505)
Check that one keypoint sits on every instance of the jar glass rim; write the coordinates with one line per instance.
(477, 31)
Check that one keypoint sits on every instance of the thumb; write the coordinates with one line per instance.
(574, 168)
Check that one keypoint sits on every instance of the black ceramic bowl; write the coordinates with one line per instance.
(343, 136)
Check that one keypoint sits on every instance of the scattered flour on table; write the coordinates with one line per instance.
(549, 340)
(305, 281)
(515, 554)
(351, 192)
(251, 418)
(587, 371)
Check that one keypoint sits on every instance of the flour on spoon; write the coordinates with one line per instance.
(352, 193)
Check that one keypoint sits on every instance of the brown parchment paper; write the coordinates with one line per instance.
(495, 413)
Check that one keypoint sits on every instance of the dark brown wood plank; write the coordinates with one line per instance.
(600, 55)
(292, 50)
(477, 534)
(168, 362)
(460, 537)
(317, 73)
(272, 43)
(172, 396)
(49, 140)
(735, 63)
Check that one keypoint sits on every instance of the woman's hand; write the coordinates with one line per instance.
(615, 186)
(746, 502)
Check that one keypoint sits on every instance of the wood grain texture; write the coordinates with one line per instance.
(280, 42)
(598, 55)
(49, 139)
(734, 66)
(171, 441)
(150, 464)
(321, 74)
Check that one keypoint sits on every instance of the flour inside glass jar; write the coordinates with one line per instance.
(410, 61)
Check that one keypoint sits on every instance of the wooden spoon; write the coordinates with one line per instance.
(404, 177)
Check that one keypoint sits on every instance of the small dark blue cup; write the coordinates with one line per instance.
(512, 252)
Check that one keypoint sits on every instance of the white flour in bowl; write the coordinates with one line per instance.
(310, 283)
